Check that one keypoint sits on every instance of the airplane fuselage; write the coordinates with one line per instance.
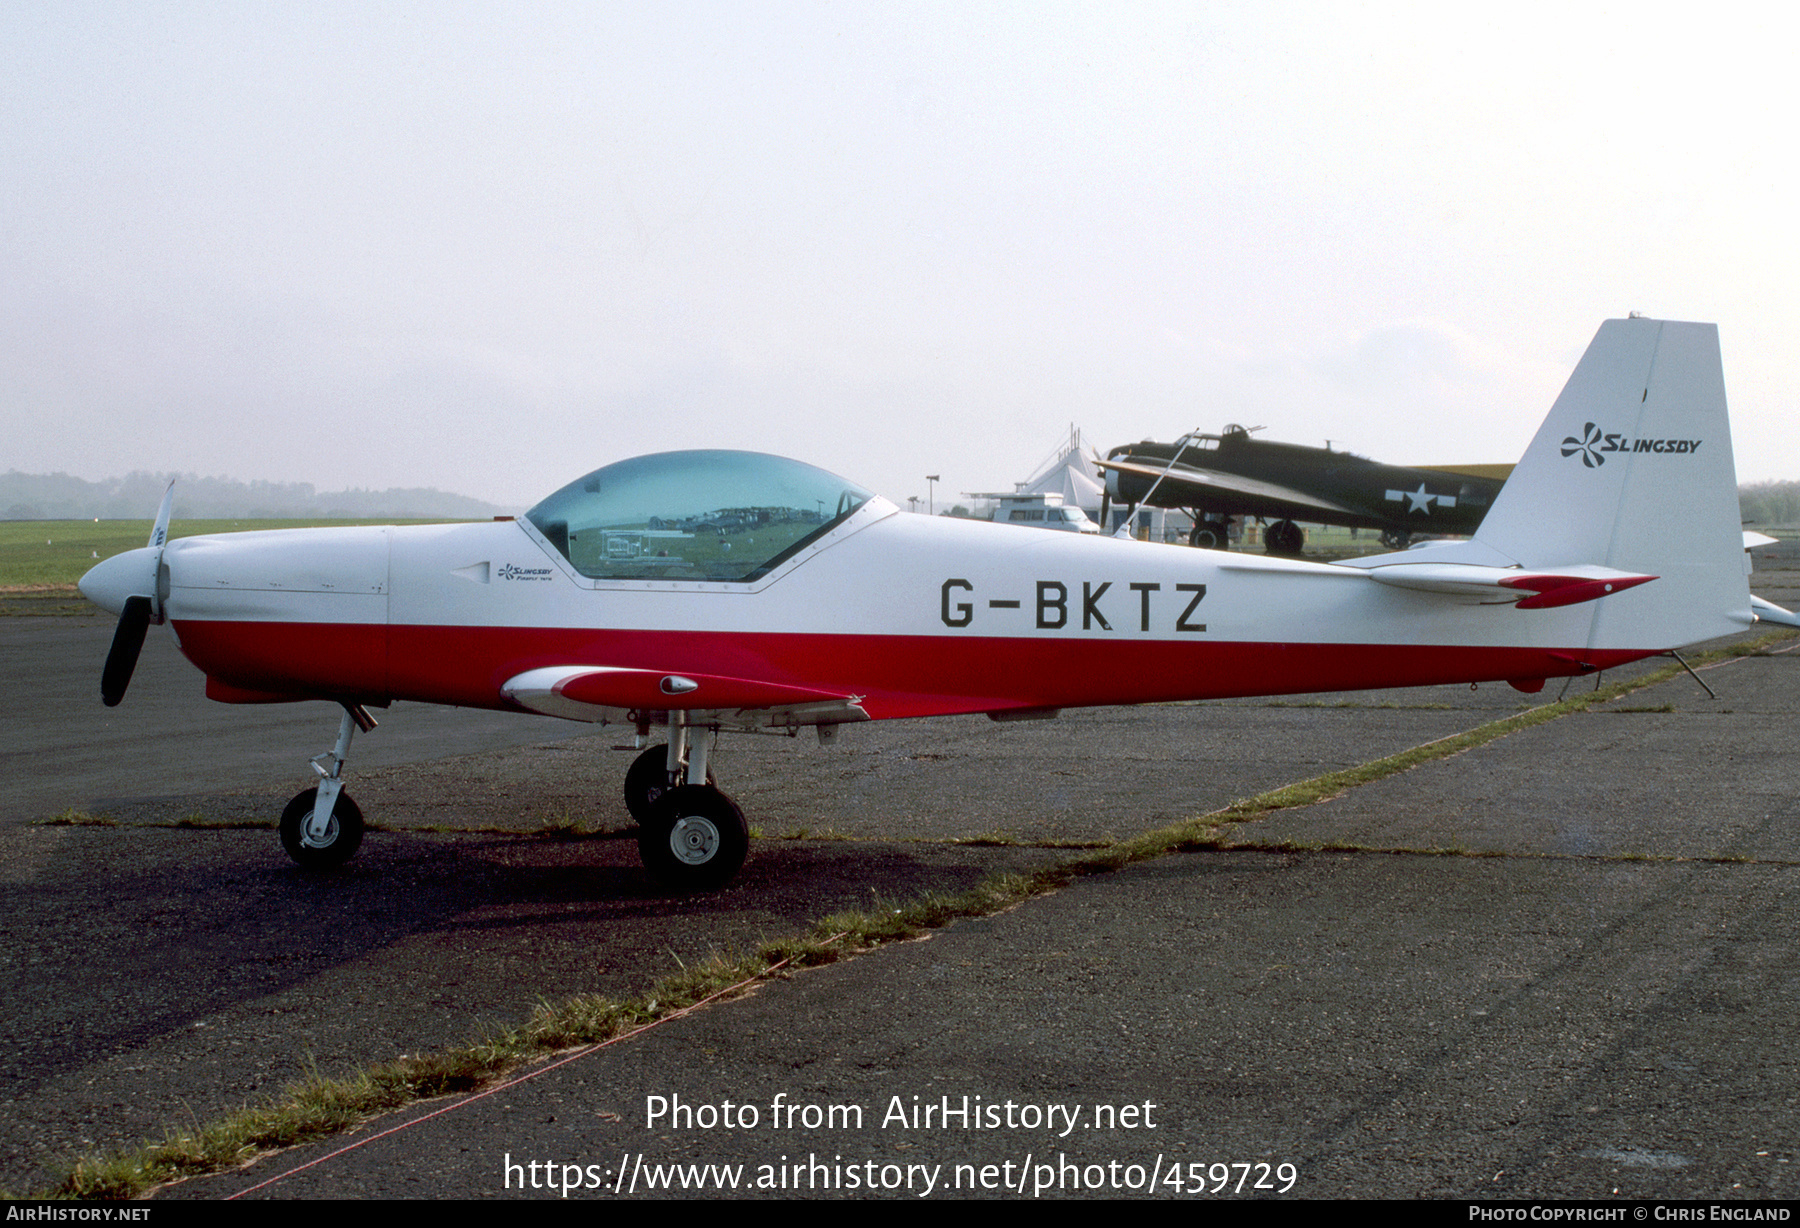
(1291, 481)
(708, 591)
(915, 616)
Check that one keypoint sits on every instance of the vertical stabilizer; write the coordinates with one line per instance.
(1633, 470)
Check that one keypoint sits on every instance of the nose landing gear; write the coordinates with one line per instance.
(322, 827)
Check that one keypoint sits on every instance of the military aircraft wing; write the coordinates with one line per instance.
(1201, 483)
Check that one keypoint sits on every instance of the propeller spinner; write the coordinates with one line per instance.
(129, 584)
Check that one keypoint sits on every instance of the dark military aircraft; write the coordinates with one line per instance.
(1216, 477)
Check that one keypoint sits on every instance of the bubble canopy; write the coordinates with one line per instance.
(705, 515)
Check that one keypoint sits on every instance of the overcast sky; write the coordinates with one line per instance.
(489, 247)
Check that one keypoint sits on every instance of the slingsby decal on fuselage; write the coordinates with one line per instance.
(1052, 599)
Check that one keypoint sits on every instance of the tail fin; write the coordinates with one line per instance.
(1633, 470)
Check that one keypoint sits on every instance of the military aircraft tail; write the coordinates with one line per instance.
(1633, 471)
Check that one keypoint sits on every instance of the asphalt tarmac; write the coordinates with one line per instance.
(1562, 964)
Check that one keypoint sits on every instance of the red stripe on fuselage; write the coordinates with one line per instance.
(899, 676)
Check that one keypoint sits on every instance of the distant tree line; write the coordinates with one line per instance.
(58, 496)
(1770, 503)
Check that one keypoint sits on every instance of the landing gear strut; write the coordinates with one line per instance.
(691, 836)
(322, 828)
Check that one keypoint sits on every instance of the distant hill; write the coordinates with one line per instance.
(57, 496)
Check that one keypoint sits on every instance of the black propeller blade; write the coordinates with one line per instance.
(128, 641)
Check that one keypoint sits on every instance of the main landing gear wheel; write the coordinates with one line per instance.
(648, 778)
(694, 838)
(1210, 534)
(341, 838)
(1285, 537)
(1396, 539)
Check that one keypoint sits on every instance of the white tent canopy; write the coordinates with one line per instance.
(1069, 473)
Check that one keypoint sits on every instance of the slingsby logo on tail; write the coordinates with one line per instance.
(1593, 446)
(704, 592)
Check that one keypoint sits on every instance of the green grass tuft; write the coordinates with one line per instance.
(78, 818)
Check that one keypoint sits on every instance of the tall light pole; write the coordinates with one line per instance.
(933, 479)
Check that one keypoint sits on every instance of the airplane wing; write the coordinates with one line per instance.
(1195, 486)
(602, 693)
(1493, 473)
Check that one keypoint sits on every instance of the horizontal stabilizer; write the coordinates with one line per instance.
(1769, 612)
(1496, 585)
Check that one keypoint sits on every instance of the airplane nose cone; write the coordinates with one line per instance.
(132, 574)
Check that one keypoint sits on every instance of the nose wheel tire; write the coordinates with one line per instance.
(342, 836)
(694, 838)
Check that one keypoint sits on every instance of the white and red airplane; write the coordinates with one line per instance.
(715, 591)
